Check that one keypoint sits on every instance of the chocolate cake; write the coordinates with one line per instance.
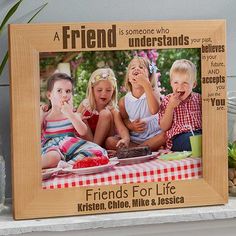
(133, 152)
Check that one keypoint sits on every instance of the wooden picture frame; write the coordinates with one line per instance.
(28, 40)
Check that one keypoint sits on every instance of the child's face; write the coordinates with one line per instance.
(182, 85)
(136, 68)
(103, 91)
(61, 92)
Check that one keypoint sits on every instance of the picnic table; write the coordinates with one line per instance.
(154, 170)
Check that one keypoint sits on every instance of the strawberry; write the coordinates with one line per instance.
(91, 161)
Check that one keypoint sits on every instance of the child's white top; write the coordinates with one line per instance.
(137, 108)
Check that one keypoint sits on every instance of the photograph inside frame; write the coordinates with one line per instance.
(116, 117)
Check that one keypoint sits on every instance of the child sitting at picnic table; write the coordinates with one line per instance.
(180, 112)
(62, 128)
(139, 107)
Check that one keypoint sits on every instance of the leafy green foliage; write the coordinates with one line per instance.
(119, 60)
(116, 60)
(5, 20)
(84, 63)
(166, 59)
(9, 15)
(232, 154)
(80, 89)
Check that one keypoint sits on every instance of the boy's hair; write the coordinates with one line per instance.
(152, 76)
(98, 75)
(186, 67)
(56, 77)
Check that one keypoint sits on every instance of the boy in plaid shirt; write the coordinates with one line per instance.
(180, 112)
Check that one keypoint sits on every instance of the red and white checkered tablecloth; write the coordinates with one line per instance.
(151, 171)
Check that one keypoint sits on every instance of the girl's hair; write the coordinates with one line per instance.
(53, 79)
(184, 66)
(98, 75)
(56, 77)
(151, 73)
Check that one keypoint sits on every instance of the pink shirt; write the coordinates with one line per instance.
(188, 112)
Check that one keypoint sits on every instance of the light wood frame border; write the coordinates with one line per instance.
(28, 40)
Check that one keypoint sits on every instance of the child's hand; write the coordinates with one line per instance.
(174, 100)
(85, 115)
(123, 143)
(67, 108)
(138, 126)
(44, 107)
(43, 113)
(141, 79)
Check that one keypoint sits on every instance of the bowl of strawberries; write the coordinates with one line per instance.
(90, 165)
(91, 162)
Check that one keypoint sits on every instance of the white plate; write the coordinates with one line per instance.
(47, 173)
(136, 160)
(90, 170)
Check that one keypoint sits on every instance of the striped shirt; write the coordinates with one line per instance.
(187, 114)
(58, 128)
(61, 136)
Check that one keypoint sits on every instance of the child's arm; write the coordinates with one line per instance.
(82, 109)
(74, 117)
(167, 119)
(43, 115)
(153, 98)
(121, 128)
(137, 125)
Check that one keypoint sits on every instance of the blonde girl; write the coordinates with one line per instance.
(61, 128)
(140, 105)
(99, 109)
